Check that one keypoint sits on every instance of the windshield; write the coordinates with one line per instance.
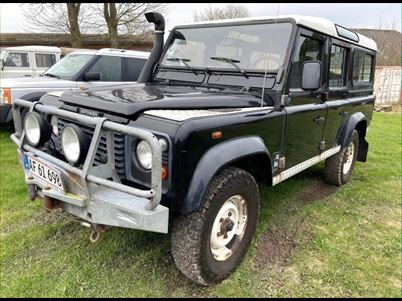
(69, 66)
(251, 47)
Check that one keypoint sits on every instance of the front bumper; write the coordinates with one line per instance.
(89, 194)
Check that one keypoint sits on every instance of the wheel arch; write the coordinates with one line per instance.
(33, 96)
(248, 153)
(356, 121)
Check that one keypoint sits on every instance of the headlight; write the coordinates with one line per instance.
(37, 129)
(54, 123)
(5, 96)
(74, 143)
(144, 154)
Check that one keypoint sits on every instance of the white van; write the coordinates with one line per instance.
(79, 70)
(27, 61)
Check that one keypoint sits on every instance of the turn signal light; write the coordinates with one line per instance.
(6, 95)
(164, 172)
(217, 135)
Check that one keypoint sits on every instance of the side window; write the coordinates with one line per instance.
(362, 68)
(44, 59)
(307, 49)
(134, 67)
(109, 68)
(17, 59)
(337, 66)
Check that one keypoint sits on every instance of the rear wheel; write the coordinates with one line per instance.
(207, 245)
(339, 167)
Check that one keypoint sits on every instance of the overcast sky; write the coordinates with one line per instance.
(354, 15)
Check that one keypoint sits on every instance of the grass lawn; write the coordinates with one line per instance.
(312, 239)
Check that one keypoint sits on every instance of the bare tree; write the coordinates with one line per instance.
(230, 11)
(388, 39)
(73, 12)
(123, 19)
(59, 17)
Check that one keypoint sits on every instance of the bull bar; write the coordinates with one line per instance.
(98, 199)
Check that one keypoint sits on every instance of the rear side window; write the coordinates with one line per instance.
(362, 69)
(133, 68)
(337, 66)
(17, 59)
(308, 49)
(45, 59)
(109, 68)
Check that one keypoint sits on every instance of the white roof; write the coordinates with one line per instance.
(317, 23)
(113, 51)
(123, 52)
(34, 48)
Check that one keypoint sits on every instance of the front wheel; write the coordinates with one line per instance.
(207, 245)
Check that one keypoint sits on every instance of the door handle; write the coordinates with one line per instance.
(318, 119)
(28, 75)
(343, 113)
(323, 96)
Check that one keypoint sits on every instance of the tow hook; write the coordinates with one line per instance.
(95, 231)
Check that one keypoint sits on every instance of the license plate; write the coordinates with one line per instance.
(43, 171)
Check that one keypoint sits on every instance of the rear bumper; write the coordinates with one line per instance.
(89, 194)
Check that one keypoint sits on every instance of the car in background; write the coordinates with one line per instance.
(27, 61)
(78, 70)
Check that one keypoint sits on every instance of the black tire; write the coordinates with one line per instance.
(191, 233)
(334, 165)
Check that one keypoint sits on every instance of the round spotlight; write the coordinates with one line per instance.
(144, 154)
(74, 143)
(37, 129)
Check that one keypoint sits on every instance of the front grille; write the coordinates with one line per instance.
(101, 152)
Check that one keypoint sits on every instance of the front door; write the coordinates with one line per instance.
(111, 71)
(306, 110)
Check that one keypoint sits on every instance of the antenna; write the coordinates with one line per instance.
(266, 65)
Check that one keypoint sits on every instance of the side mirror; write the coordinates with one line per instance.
(92, 76)
(311, 77)
(2, 64)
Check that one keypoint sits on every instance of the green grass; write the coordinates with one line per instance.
(346, 244)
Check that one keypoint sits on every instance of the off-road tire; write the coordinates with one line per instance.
(191, 233)
(333, 171)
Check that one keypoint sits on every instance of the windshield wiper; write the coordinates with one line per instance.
(230, 61)
(51, 75)
(184, 61)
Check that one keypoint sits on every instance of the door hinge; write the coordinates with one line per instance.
(322, 146)
(282, 161)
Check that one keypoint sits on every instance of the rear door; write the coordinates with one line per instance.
(132, 68)
(338, 112)
(43, 61)
(307, 110)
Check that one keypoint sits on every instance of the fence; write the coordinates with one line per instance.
(387, 85)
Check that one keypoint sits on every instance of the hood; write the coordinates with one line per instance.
(36, 82)
(134, 99)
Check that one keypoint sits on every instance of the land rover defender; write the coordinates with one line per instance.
(222, 106)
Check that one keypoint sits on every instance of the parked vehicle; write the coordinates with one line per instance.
(78, 70)
(27, 61)
(224, 105)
